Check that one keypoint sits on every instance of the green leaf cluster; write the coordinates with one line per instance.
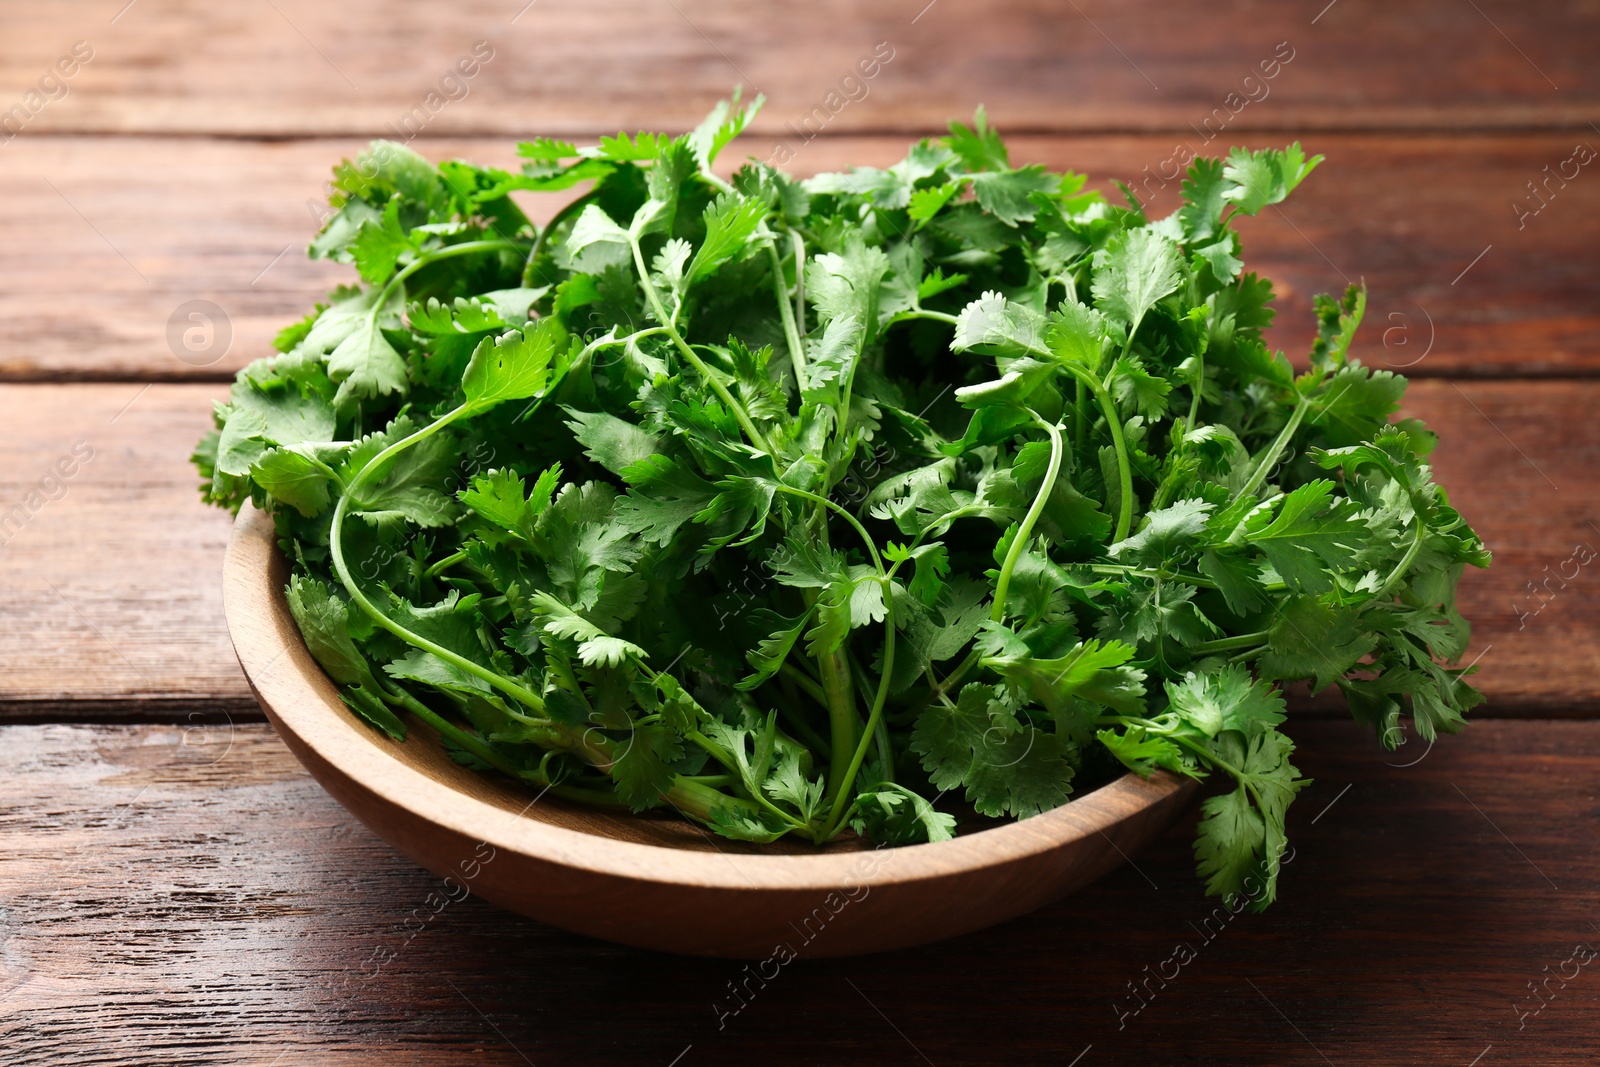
(892, 501)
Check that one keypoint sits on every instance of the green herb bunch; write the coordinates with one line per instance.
(854, 503)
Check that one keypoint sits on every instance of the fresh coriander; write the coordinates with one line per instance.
(826, 506)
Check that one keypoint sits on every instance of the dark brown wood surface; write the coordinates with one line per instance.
(576, 66)
(175, 889)
(189, 895)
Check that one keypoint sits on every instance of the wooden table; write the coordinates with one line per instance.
(175, 889)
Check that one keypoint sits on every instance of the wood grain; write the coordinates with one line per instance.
(209, 904)
(112, 591)
(293, 67)
(137, 227)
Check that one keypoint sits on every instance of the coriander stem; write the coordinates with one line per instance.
(1080, 422)
(539, 240)
(336, 553)
(1227, 644)
(478, 747)
(739, 413)
(841, 796)
(866, 538)
(797, 352)
(799, 281)
(698, 800)
(1108, 407)
(1146, 572)
(445, 564)
(840, 699)
(714, 750)
(1270, 457)
(444, 728)
(801, 679)
(1199, 384)
(885, 749)
(447, 252)
(1409, 558)
(1024, 532)
(925, 313)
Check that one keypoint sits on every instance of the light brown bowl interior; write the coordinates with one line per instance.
(656, 880)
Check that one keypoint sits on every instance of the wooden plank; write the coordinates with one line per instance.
(137, 228)
(112, 588)
(294, 67)
(111, 591)
(207, 903)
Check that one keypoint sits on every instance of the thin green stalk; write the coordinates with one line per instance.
(476, 745)
(797, 350)
(885, 749)
(799, 281)
(841, 796)
(1146, 572)
(866, 538)
(426, 258)
(566, 212)
(714, 750)
(445, 564)
(1409, 558)
(1002, 584)
(1108, 408)
(740, 415)
(1199, 385)
(926, 314)
(1127, 346)
(1270, 457)
(803, 680)
(1080, 422)
(581, 360)
(336, 553)
(456, 734)
(1228, 644)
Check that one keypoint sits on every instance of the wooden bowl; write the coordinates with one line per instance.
(656, 880)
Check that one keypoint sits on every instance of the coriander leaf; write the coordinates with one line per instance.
(1310, 537)
(1140, 267)
(1144, 752)
(642, 768)
(770, 652)
(731, 220)
(365, 364)
(515, 366)
(1006, 194)
(978, 146)
(1228, 699)
(1311, 640)
(611, 442)
(893, 814)
(293, 478)
(1001, 326)
(1076, 334)
(1170, 533)
(1094, 670)
(666, 494)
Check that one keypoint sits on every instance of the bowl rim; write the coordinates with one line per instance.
(301, 700)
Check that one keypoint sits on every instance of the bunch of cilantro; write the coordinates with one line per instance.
(848, 503)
